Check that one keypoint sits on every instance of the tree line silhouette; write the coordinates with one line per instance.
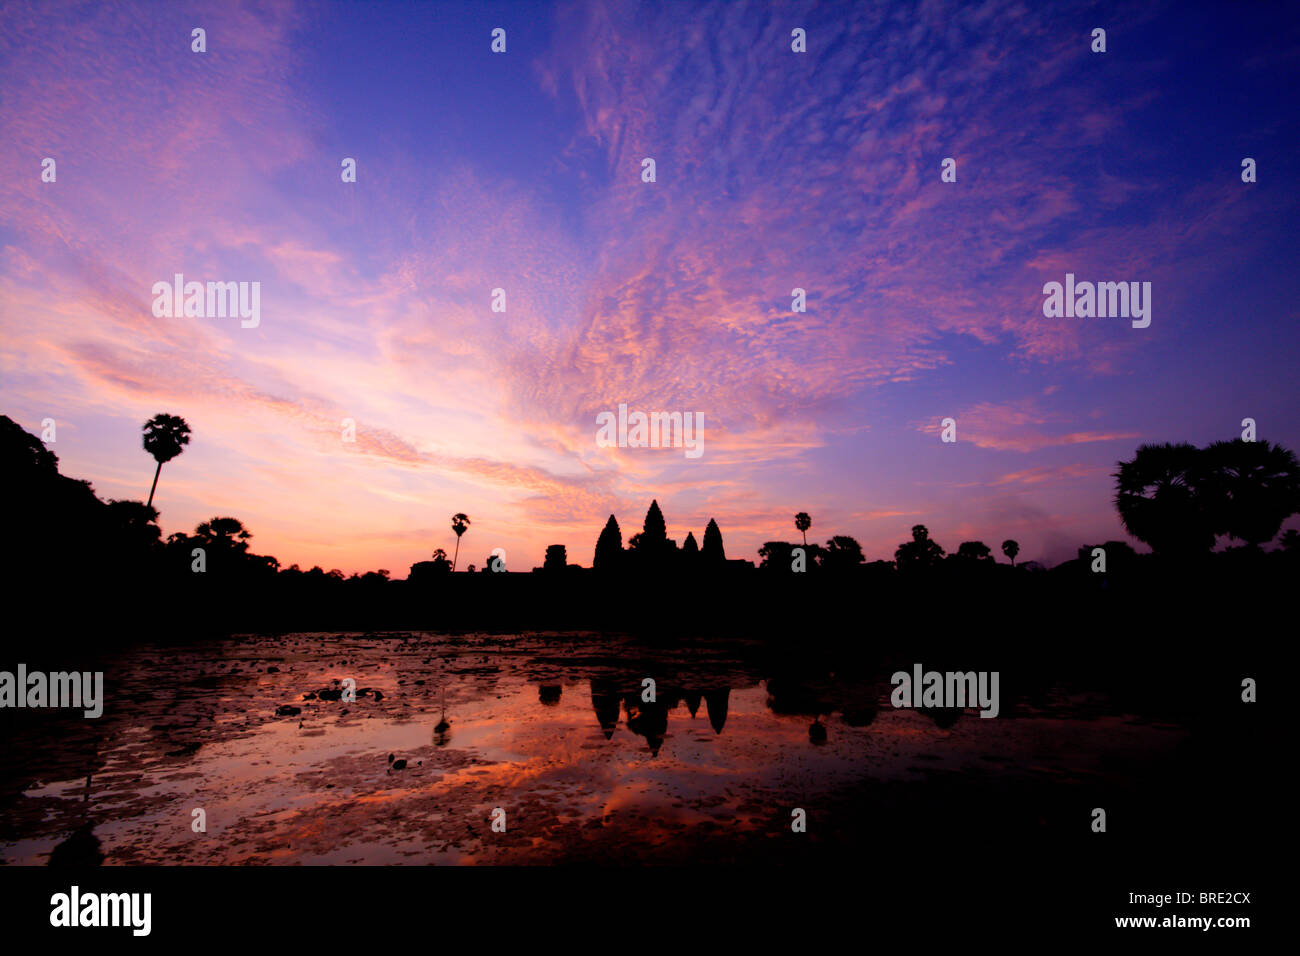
(1176, 498)
(1179, 499)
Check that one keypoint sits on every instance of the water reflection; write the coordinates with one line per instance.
(817, 732)
(819, 698)
(537, 728)
(82, 848)
(442, 729)
(648, 719)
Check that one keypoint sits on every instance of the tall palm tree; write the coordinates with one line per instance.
(164, 437)
(1255, 487)
(802, 522)
(1162, 498)
(459, 522)
(1011, 548)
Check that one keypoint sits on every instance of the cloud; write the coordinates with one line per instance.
(1050, 473)
(1021, 426)
(776, 171)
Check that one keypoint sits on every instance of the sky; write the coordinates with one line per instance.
(522, 171)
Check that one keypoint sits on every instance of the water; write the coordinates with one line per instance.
(551, 729)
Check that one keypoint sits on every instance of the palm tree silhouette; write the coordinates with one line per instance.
(921, 553)
(164, 437)
(1255, 486)
(842, 552)
(225, 532)
(459, 522)
(1162, 499)
(1011, 548)
(802, 522)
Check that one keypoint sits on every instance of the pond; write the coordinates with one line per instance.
(551, 734)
